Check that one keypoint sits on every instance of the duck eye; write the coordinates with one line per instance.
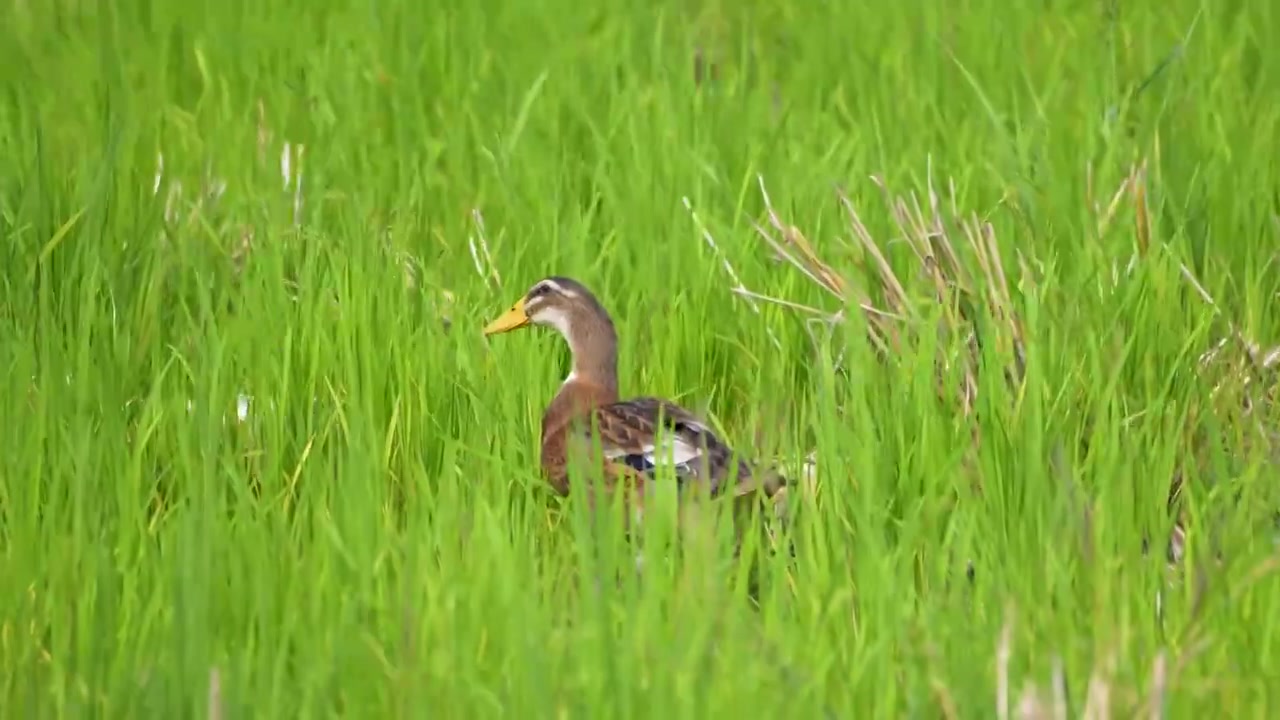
(539, 291)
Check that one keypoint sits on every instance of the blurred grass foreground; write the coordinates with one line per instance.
(995, 283)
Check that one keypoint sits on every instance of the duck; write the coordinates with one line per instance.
(640, 439)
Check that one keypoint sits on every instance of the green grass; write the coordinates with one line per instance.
(373, 540)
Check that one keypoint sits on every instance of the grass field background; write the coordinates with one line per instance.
(257, 461)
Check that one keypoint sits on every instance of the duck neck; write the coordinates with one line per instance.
(593, 378)
(593, 343)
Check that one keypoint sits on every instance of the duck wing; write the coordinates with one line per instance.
(640, 435)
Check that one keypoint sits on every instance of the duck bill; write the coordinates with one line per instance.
(512, 319)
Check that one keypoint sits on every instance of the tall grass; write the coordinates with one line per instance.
(257, 460)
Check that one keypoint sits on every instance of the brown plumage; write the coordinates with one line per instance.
(635, 436)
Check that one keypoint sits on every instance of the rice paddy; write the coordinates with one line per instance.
(993, 285)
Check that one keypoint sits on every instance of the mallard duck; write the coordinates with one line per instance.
(627, 430)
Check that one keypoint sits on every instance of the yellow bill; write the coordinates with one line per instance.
(510, 320)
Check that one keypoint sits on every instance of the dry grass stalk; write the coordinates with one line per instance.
(480, 256)
(896, 321)
(214, 711)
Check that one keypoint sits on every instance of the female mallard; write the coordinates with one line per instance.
(627, 430)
